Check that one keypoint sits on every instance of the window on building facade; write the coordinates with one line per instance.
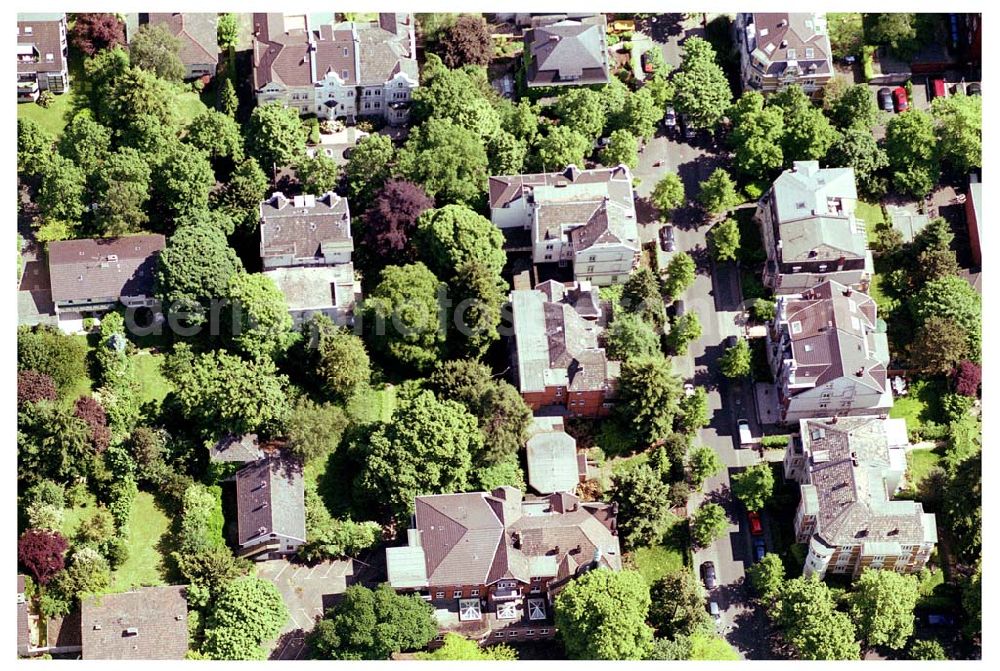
(474, 592)
(457, 594)
(439, 595)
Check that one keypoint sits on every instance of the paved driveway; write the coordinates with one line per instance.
(307, 591)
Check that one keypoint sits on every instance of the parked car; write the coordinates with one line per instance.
(744, 431)
(938, 89)
(688, 389)
(755, 527)
(713, 609)
(884, 96)
(731, 341)
(670, 119)
(689, 132)
(647, 63)
(759, 550)
(900, 99)
(679, 308)
(708, 574)
(668, 240)
(974, 89)
(939, 620)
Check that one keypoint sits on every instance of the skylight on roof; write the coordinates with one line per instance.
(796, 327)
(536, 609)
(856, 323)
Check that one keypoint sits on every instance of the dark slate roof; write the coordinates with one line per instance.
(556, 334)
(197, 32)
(270, 495)
(305, 225)
(617, 181)
(23, 632)
(150, 623)
(44, 39)
(776, 32)
(65, 632)
(478, 538)
(238, 449)
(835, 336)
(569, 52)
(84, 269)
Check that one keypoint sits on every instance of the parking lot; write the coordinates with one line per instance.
(307, 592)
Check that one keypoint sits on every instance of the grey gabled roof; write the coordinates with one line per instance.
(551, 453)
(270, 498)
(304, 226)
(149, 623)
(103, 267)
(237, 449)
(569, 50)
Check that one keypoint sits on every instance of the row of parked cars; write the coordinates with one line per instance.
(896, 100)
(708, 576)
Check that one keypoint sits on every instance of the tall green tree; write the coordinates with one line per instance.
(559, 147)
(857, 148)
(643, 506)
(641, 296)
(668, 194)
(195, 267)
(123, 191)
(708, 524)
(685, 330)
(247, 610)
(640, 114)
(735, 361)
(807, 132)
(274, 135)
(342, 363)
(854, 108)
(622, 149)
(724, 240)
(183, 180)
(260, 321)
(649, 396)
(217, 134)
(767, 576)
(718, 193)
(882, 606)
(446, 159)
(630, 336)
(156, 50)
(479, 294)
(678, 275)
(756, 136)
(602, 615)
(703, 463)
(582, 110)
(694, 412)
(959, 120)
(317, 174)
(754, 486)
(678, 605)
(952, 298)
(912, 146)
(702, 92)
(403, 316)
(61, 194)
(314, 429)
(426, 449)
(34, 147)
(242, 195)
(372, 624)
(228, 31)
(85, 142)
(806, 614)
(455, 234)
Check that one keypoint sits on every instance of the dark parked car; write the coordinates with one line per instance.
(713, 609)
(899, 97)
(689, 132)
(758, 549)
(708, 575)
(885, 100)
(974, 89)
(938, 620)
(679, 308)
(668, 241)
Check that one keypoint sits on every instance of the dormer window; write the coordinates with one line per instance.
(810, 52)
(792, 54)
(796, 327)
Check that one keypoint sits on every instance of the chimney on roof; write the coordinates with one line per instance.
(860, 372)
(554, 38)
(782, 24)
(261, 531)
(571, 172)
(278, 199)
(848, 291)
(515, 540)
(131, 631)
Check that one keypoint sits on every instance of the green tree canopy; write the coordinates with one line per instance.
(641, 296)
(756, 136)
(702, 92)
(754, 486)
(678, 275)
(952, 298)
(242, 195)
(694, 412)
(248, 609)
(643, 506)
(449, 161)
(718, 193)
(622, 149)
(678, 606)
(582, 110)
(123, 184)
(668, 194)
(368, 168)
(342, 362)
(724, 240)
(854, 108)
(372, 624)
(649, 395)
(959, 121)
(708, 524)
(228, 31)
(912, 146)
(155, 49)
(34, 147)
(217, 134)
(735, 361)
(703, 463)
(314, 429)
(602, 615)
(685, 330)
(767, 576)
(559, 147)
(807, 132)
(402, 316)
(882, 606)
(274, 135)
(457, 647)
(260, 320)
(629, 336)
(857, 148)
(480, 294)
(195, 267)
(426, 449)
(640, 114)
(455, 234)
(317, 174)
(183, 181)
(806, 614)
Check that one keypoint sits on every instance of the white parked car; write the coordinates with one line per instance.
(688, 389)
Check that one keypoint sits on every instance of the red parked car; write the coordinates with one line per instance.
(755, 527)
(899, 97)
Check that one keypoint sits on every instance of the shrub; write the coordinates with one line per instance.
(33, 386)
(45, 99)
(770, 442)
(967, 378)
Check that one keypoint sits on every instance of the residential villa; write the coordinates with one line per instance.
(344, 71)
(42, 55)
(583, 217)
(828, 354)
(198, 36)
(305, 248)
(811, 232)
(848, 469)
(270, 502)
(567, 52)
(781, 49)
(557, 356)
(492, 563)
(148, 623)
(92, 276)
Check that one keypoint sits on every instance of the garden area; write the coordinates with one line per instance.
(669, 557)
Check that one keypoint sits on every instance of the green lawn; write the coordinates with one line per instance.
(154, 387)
(145, 563)
(52, 118)
(657, 561)
(919, 464)
(372, 405)
(189, 105)
(72, 517)
(82, 386)
(872, 215)
(920, 405)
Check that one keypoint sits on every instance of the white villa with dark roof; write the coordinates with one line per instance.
(306, 247)
(828, 355)
(564, 51)
(811, 231)
(583, 217)
(848, 469)
(780, 49)
(344, 71)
